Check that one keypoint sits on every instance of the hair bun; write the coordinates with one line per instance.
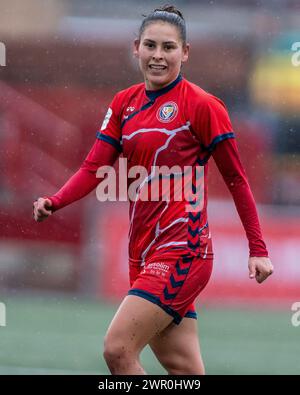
(171, 9)
(168, 14)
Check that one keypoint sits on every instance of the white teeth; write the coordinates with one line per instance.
(157, 67)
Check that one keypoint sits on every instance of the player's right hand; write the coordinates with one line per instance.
(41, 209)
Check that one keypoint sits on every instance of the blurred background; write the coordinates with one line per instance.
(61, 280)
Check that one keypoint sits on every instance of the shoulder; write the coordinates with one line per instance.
(200, 98)
(123, 97)
(129, 92)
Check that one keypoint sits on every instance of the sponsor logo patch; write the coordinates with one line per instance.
(157, 268)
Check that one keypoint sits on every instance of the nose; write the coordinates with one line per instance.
(157, 55)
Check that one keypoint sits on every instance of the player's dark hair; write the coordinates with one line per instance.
(169, 14)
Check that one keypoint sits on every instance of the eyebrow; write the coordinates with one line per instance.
(165, 42)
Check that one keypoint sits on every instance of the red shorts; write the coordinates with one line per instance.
(171, 283)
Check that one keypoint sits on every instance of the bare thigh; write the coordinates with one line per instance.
(135, 323)
(177, 348)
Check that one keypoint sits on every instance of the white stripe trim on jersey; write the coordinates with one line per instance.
(160, 130)
(172, 243)
(145, 252)
(205, 252)
(158, 232)
(171, 133)
(203, 227)
(176, 221)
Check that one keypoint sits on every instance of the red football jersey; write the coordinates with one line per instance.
(178, 125)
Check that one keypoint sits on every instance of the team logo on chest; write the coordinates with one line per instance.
(167, 112)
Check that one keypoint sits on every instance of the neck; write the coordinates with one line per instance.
(154, 87)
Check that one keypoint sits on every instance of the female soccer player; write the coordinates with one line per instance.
(165, 121)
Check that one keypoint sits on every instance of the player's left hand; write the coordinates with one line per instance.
(260, 268)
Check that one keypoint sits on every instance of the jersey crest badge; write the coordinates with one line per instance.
(167, 112)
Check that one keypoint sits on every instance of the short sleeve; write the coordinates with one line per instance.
(110, 130)
(211, 123)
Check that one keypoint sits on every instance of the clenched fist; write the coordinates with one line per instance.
(260, 268)
(41, 209)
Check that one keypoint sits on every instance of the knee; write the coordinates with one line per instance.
(116, 353)
(113, 351)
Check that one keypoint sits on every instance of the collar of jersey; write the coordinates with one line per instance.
(152, 95)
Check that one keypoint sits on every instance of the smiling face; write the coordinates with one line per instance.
(160, 52)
